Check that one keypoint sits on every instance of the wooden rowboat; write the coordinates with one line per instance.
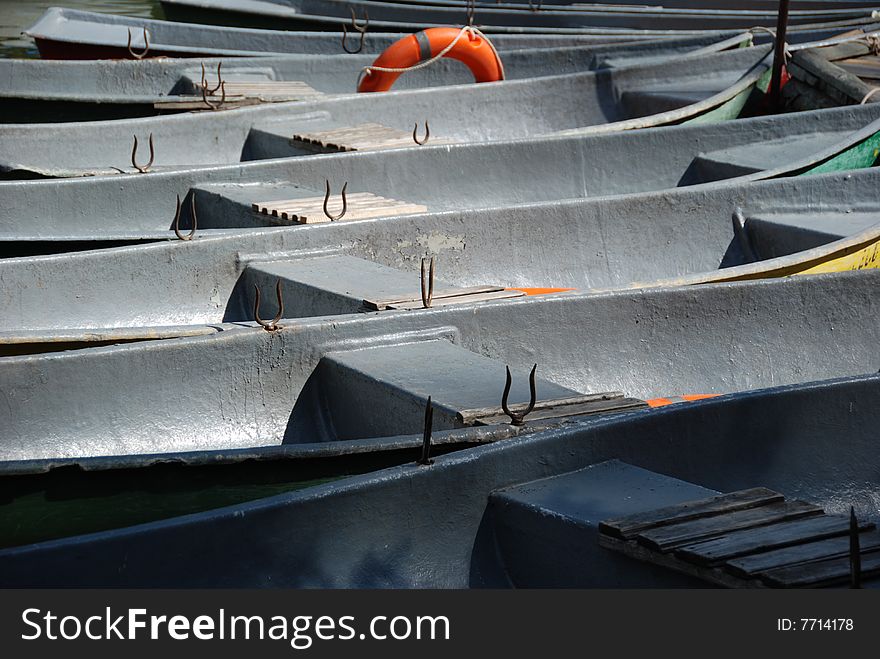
(62, 33)
(102, 493)
(485, 176)
(354, 323)
(684, 237)
(635, 96)
(396, 16)
(566, 486)
(42, 91)
(73, 34)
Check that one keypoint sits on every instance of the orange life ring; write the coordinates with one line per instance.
(471, 49)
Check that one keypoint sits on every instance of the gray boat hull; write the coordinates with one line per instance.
(414, 526)
(68, 91)
(486, 175)
(613, 99)
(323, 14)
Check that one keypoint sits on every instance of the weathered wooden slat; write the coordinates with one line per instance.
(186, 103)
(361, 205)
(666, 538)
(754, 540)
(864, 67)
(293, 204)
(820, 573)
(627, 527)
(460, 299)
(803, 553)
(711, 575)
(240, 94)
(588, 405)
(354, 201)
(439, 294)
(844, 50)
(362, 137)
(468, 417)
(787, 544)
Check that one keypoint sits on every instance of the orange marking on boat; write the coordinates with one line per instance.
(539, 291)
(684, 398)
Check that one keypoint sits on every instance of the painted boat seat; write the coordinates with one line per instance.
(284, 141)
(241, 87)
(334, 284)
(230, 205)
(780, 234)
(382, 391)
(751, 538)
(546, 531)
(661, 97)
(757, 157)
(236, 206)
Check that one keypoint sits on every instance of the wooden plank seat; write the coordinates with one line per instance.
(750, 538)
(239, 94)
(286, 89)
(863, 67)
(446, 296)
(361, 205)
(362, 137)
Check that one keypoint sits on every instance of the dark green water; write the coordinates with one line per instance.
(16, 15)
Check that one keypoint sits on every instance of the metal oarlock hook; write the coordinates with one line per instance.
(333, 218)
(518, 418)
(427, 284)
(426, 435)
(211, 104)
(357, 28)
(537, 6)
(270, 325)
(146, 49)
(855, 551)
(204, 84)
(145, 168)
(427, 133)
(195, 221)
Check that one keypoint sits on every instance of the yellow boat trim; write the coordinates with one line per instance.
(860, 251)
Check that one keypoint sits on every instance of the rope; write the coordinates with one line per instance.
(473, 33)
(786, 52)
(869, 95)
(873, 42)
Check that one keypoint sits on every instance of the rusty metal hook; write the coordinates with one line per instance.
(219, 77)
(518, 418)
(426, 435)
(855, 551)
(356, 28)
(427, 133)
(146, 50)
(333, 218)
(195, 221)
(145, 168)
(427, 284)
(211, 104)
(270, 325)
